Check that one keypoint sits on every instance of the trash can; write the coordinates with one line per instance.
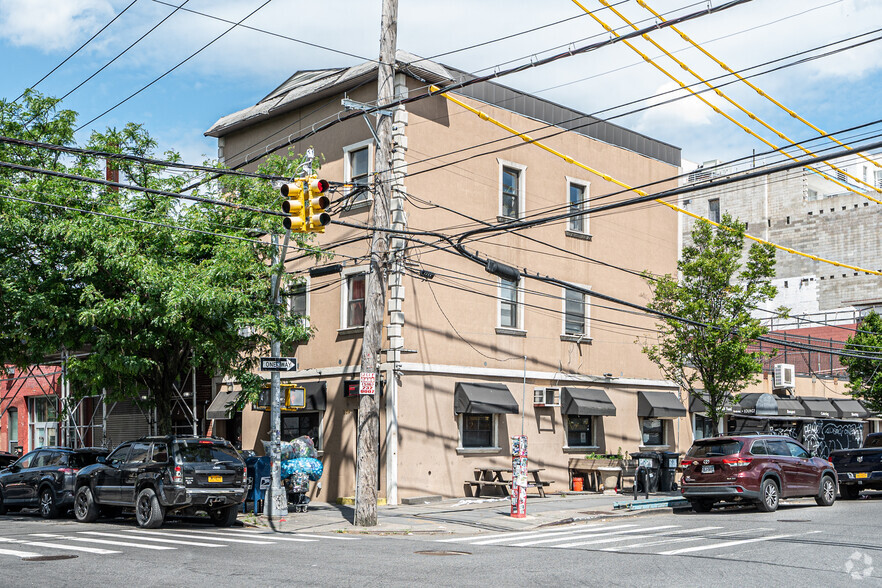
(668, 471)
(651, 462)
(259, 472)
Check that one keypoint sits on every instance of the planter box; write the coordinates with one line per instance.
(593, 464)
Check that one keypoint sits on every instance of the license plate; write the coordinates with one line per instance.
(861, 475)
(707, 469)
(215, 478)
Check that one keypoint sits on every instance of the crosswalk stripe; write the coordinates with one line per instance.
(721, 545)
(19, 553)
(282, 534)
(269, 537)
(155, 539)
(526, 534)
(102, 541)
(665, 541)
(197, 536)
(580, 536)
(613, 539)
(71, 547)
(593, 529)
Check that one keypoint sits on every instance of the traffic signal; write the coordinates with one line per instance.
(294, 206)
(318, 218)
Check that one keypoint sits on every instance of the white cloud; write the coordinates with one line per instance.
(50, 25)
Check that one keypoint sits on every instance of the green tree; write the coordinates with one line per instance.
(177, 285)
(864, 373)
(708, 349)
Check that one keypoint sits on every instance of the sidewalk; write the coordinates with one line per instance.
(456, 515)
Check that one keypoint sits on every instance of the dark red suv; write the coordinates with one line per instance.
(760, 468)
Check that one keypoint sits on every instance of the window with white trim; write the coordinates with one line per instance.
(352, 295)
(577, 199)
(478, 431)
(510, 304)
(580, 431)
(575, 320)
(702, 427)
(357, 166)
(299, 302)
(653, 431)
(511, 189)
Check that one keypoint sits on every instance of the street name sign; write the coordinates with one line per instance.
(278, 364)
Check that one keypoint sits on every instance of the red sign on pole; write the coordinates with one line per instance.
(366, 385)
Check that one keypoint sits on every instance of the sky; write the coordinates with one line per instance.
(235, 71)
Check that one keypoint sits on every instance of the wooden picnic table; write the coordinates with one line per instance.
(496, 477)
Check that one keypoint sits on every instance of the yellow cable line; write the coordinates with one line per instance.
(722, 95)
(608, 178)
(752, 86)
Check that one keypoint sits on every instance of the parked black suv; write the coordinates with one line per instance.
(45, 478)
(160, 475)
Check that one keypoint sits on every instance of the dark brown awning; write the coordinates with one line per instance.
(659, 405)
(758, 404)
(818, 407)
(849, 408)
(483, 398)
(789, 407)
(698, 404)
(586, 402)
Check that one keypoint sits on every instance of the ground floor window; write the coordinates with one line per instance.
(702, 427)
(478, 431)
(653, 431)
(580, 431)
(303, 423)
(43, 421)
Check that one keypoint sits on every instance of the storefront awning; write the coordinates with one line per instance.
(698, 404)
(585, 402)
(659, 405)
(818, 407)
(217, 410)
(789, 407)
(849, 408)
(758, 404)
(483, 398)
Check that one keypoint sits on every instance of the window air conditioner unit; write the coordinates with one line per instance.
(783, 376)
(546, 397)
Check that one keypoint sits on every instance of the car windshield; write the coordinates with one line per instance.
(200, 452)
(715, 448)
(873, 441)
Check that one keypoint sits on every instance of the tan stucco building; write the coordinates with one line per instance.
(467, 354)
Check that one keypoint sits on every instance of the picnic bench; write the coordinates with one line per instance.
(495, 477)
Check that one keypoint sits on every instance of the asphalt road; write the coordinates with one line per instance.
(799, 545)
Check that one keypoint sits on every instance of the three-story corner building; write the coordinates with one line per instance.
(471, 359)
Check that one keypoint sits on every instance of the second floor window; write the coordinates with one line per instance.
(508, 304)
(510, 192)
(355, 301)
(577, 199)
(299, 305)
(575, 317)
(713, 210)
(357, 170)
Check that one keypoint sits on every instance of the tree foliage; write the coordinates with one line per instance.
(176, 285)
(708, 349)
(865, 371)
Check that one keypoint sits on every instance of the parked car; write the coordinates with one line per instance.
(6, 458)
(760, 469)
(859, 469)
(157, 476)
(45, 478)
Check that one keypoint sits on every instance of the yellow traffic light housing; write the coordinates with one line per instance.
(317, 201)
(295, 207)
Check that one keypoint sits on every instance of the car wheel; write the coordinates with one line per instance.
(48, 507)
(827, 492)
(85, 508)
(148, 512)
(701, 505)
(224, 517)
(769, 496)
(849, 492)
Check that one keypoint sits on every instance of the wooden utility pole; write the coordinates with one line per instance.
(368, 433)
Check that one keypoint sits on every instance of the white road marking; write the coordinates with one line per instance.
(272, 535)
(197, 536)
(527, 534)
(613, 539)
(557, 535)
(71, 547)
(724, 544)
(603, 533)
(664, 541)
(102, 541)
(155, 539)
(19, 553)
